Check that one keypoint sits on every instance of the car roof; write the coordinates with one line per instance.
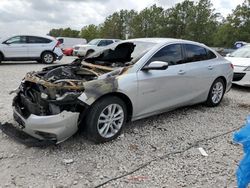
(43, 36)
(105, 39)
(162, 40)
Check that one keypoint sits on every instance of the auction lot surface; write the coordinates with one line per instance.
(160, 151)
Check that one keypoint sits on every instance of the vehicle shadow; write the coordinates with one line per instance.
(241, 88)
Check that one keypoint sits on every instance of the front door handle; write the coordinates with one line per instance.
(210, 67)
(181, 72)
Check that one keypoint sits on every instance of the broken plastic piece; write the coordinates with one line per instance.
(243, 172)
(203, 152)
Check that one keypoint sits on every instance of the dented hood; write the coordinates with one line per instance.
(118, 52)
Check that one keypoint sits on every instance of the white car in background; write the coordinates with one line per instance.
(241, 60)
(30, 48)
(92, 46)
(66, 42)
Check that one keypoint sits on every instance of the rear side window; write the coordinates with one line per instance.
(197, 53)
(38, 40)
(171, 54)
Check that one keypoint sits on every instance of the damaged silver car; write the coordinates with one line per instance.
(129, 80)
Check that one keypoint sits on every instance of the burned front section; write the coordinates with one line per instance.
(54, 89)
(47, 106)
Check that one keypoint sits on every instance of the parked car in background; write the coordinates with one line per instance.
(67, 42)
(239, 44)
(68, 51)
(92, 46)
(43, 49)
(241, 61)
(125, 81)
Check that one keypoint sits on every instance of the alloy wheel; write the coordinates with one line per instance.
(110, 120)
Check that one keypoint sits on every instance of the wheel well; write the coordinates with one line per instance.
(47, 51)
(224, 80)
(125, 99)
(90, 50)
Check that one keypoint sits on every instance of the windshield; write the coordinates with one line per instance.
(242, 52)
(140, 48)
(94, 42)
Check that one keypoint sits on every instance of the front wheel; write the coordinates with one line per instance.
(47, 57)
(216, 93)
(106, 119)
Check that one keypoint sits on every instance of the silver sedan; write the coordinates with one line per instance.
(127, 81)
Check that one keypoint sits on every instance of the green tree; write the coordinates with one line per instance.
(236, 27)
(149, 22)
(90, 32)
(118, 24)
(67, 32)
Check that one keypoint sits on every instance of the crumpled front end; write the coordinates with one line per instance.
(47, 106)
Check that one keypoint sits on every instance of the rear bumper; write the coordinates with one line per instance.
(56, 128)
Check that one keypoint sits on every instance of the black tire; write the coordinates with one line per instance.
(94, 114)
(212, 102)
(47, 57)
(1, 58)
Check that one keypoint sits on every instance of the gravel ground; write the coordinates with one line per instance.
(160, 151)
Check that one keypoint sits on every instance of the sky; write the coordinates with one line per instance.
(39, 16)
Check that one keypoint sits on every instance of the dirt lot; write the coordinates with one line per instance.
(160, 151)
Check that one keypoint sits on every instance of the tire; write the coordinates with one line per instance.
(216, 93)
(1, 58)
(47, 58)
(100, 127)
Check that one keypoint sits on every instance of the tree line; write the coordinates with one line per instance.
(189, 20)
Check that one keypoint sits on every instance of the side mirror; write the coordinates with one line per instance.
(156, 65)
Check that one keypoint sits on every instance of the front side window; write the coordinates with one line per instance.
(16, 40)
(172, 54)
(197, 53)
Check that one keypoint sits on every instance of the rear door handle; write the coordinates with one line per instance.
(210, 67)
(181, 72)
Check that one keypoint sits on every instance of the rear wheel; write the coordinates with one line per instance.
(106, 119)
(47, 57)
(216, 93)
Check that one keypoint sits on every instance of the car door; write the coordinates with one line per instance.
(16, 47)
(200, 65)
(36, 45)
(160, 90)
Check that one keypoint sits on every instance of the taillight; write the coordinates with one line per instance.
(232, 66)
